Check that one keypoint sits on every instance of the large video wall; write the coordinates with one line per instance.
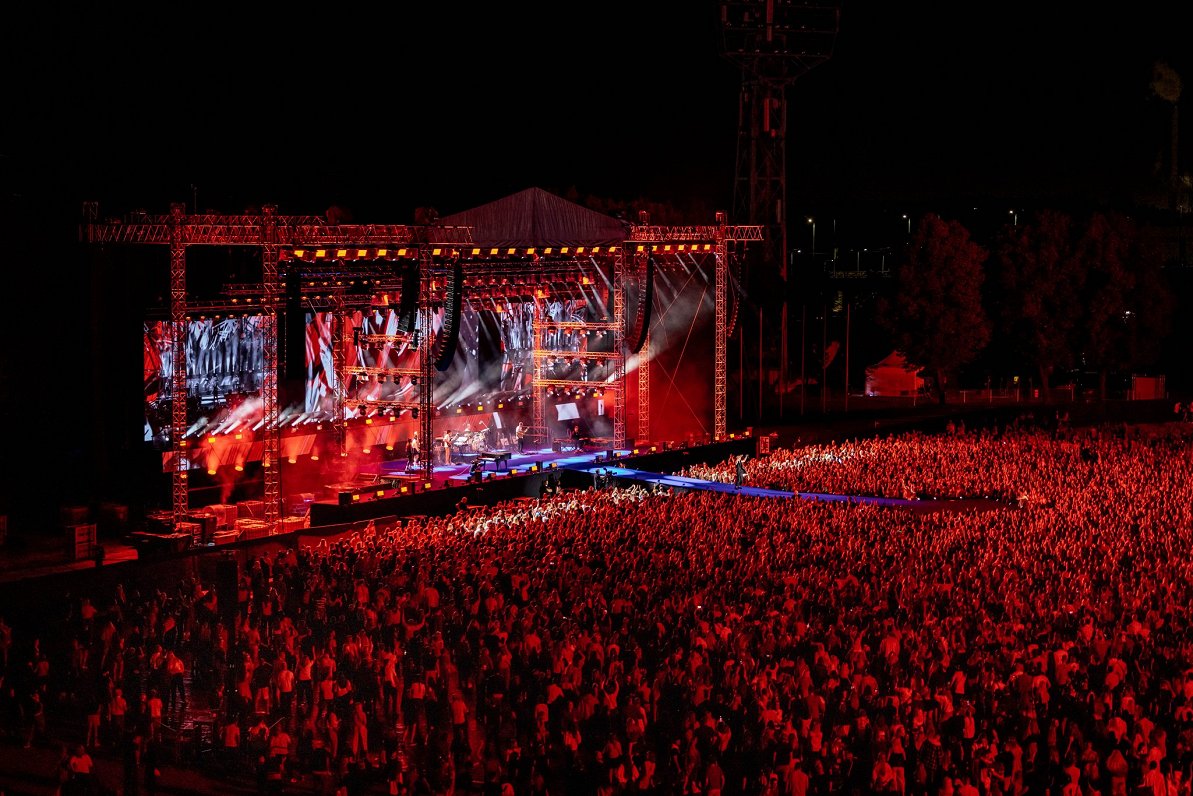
(224, 363)
(361, 352)
(494, 357)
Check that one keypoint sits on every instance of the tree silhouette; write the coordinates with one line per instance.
(1128, 303)
(935, 314)
(1166, 84)
(1037, 306)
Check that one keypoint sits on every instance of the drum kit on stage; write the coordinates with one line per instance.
(470, 442)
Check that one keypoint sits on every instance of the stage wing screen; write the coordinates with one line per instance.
(224, 364)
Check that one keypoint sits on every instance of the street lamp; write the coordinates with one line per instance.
(1014, 217)
(907, 218)
(812, 221)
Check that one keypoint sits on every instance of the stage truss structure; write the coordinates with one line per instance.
(331, 259)
(726, 242)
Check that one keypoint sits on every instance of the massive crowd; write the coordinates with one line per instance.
(621, 640)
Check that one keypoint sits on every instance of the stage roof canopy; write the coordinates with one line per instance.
(534, 217)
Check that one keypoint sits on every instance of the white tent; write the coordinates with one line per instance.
(893, 376)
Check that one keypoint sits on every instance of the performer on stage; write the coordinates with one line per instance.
(411, 450)
(739, 471)
(447, 446)
(520, 432)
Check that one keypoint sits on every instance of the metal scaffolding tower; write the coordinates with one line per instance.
(272, 433)
(180, 489)
(641, 331)
(538, 391)
(619, 286)
(774, 42)
(339, 324)
(425, 331)
(644, 390)
(720, 368)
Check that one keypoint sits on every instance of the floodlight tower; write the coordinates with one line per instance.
(774, 42)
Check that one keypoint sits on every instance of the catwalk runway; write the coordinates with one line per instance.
(678, 482)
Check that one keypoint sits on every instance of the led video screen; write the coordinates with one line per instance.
(224, 362)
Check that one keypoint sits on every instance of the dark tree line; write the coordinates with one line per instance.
(1053, 293)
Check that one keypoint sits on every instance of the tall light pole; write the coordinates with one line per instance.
(1014, 217)
(812, 221)
(907, 218)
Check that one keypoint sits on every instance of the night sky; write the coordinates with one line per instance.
(385, 111)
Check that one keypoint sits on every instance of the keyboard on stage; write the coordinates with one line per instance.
(499, 458)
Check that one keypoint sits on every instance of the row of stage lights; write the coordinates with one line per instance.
(230, 316)
(382, 378)
(568, 393)
(494, 282)
(384, 253)
(563, 359)
(541, 288)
